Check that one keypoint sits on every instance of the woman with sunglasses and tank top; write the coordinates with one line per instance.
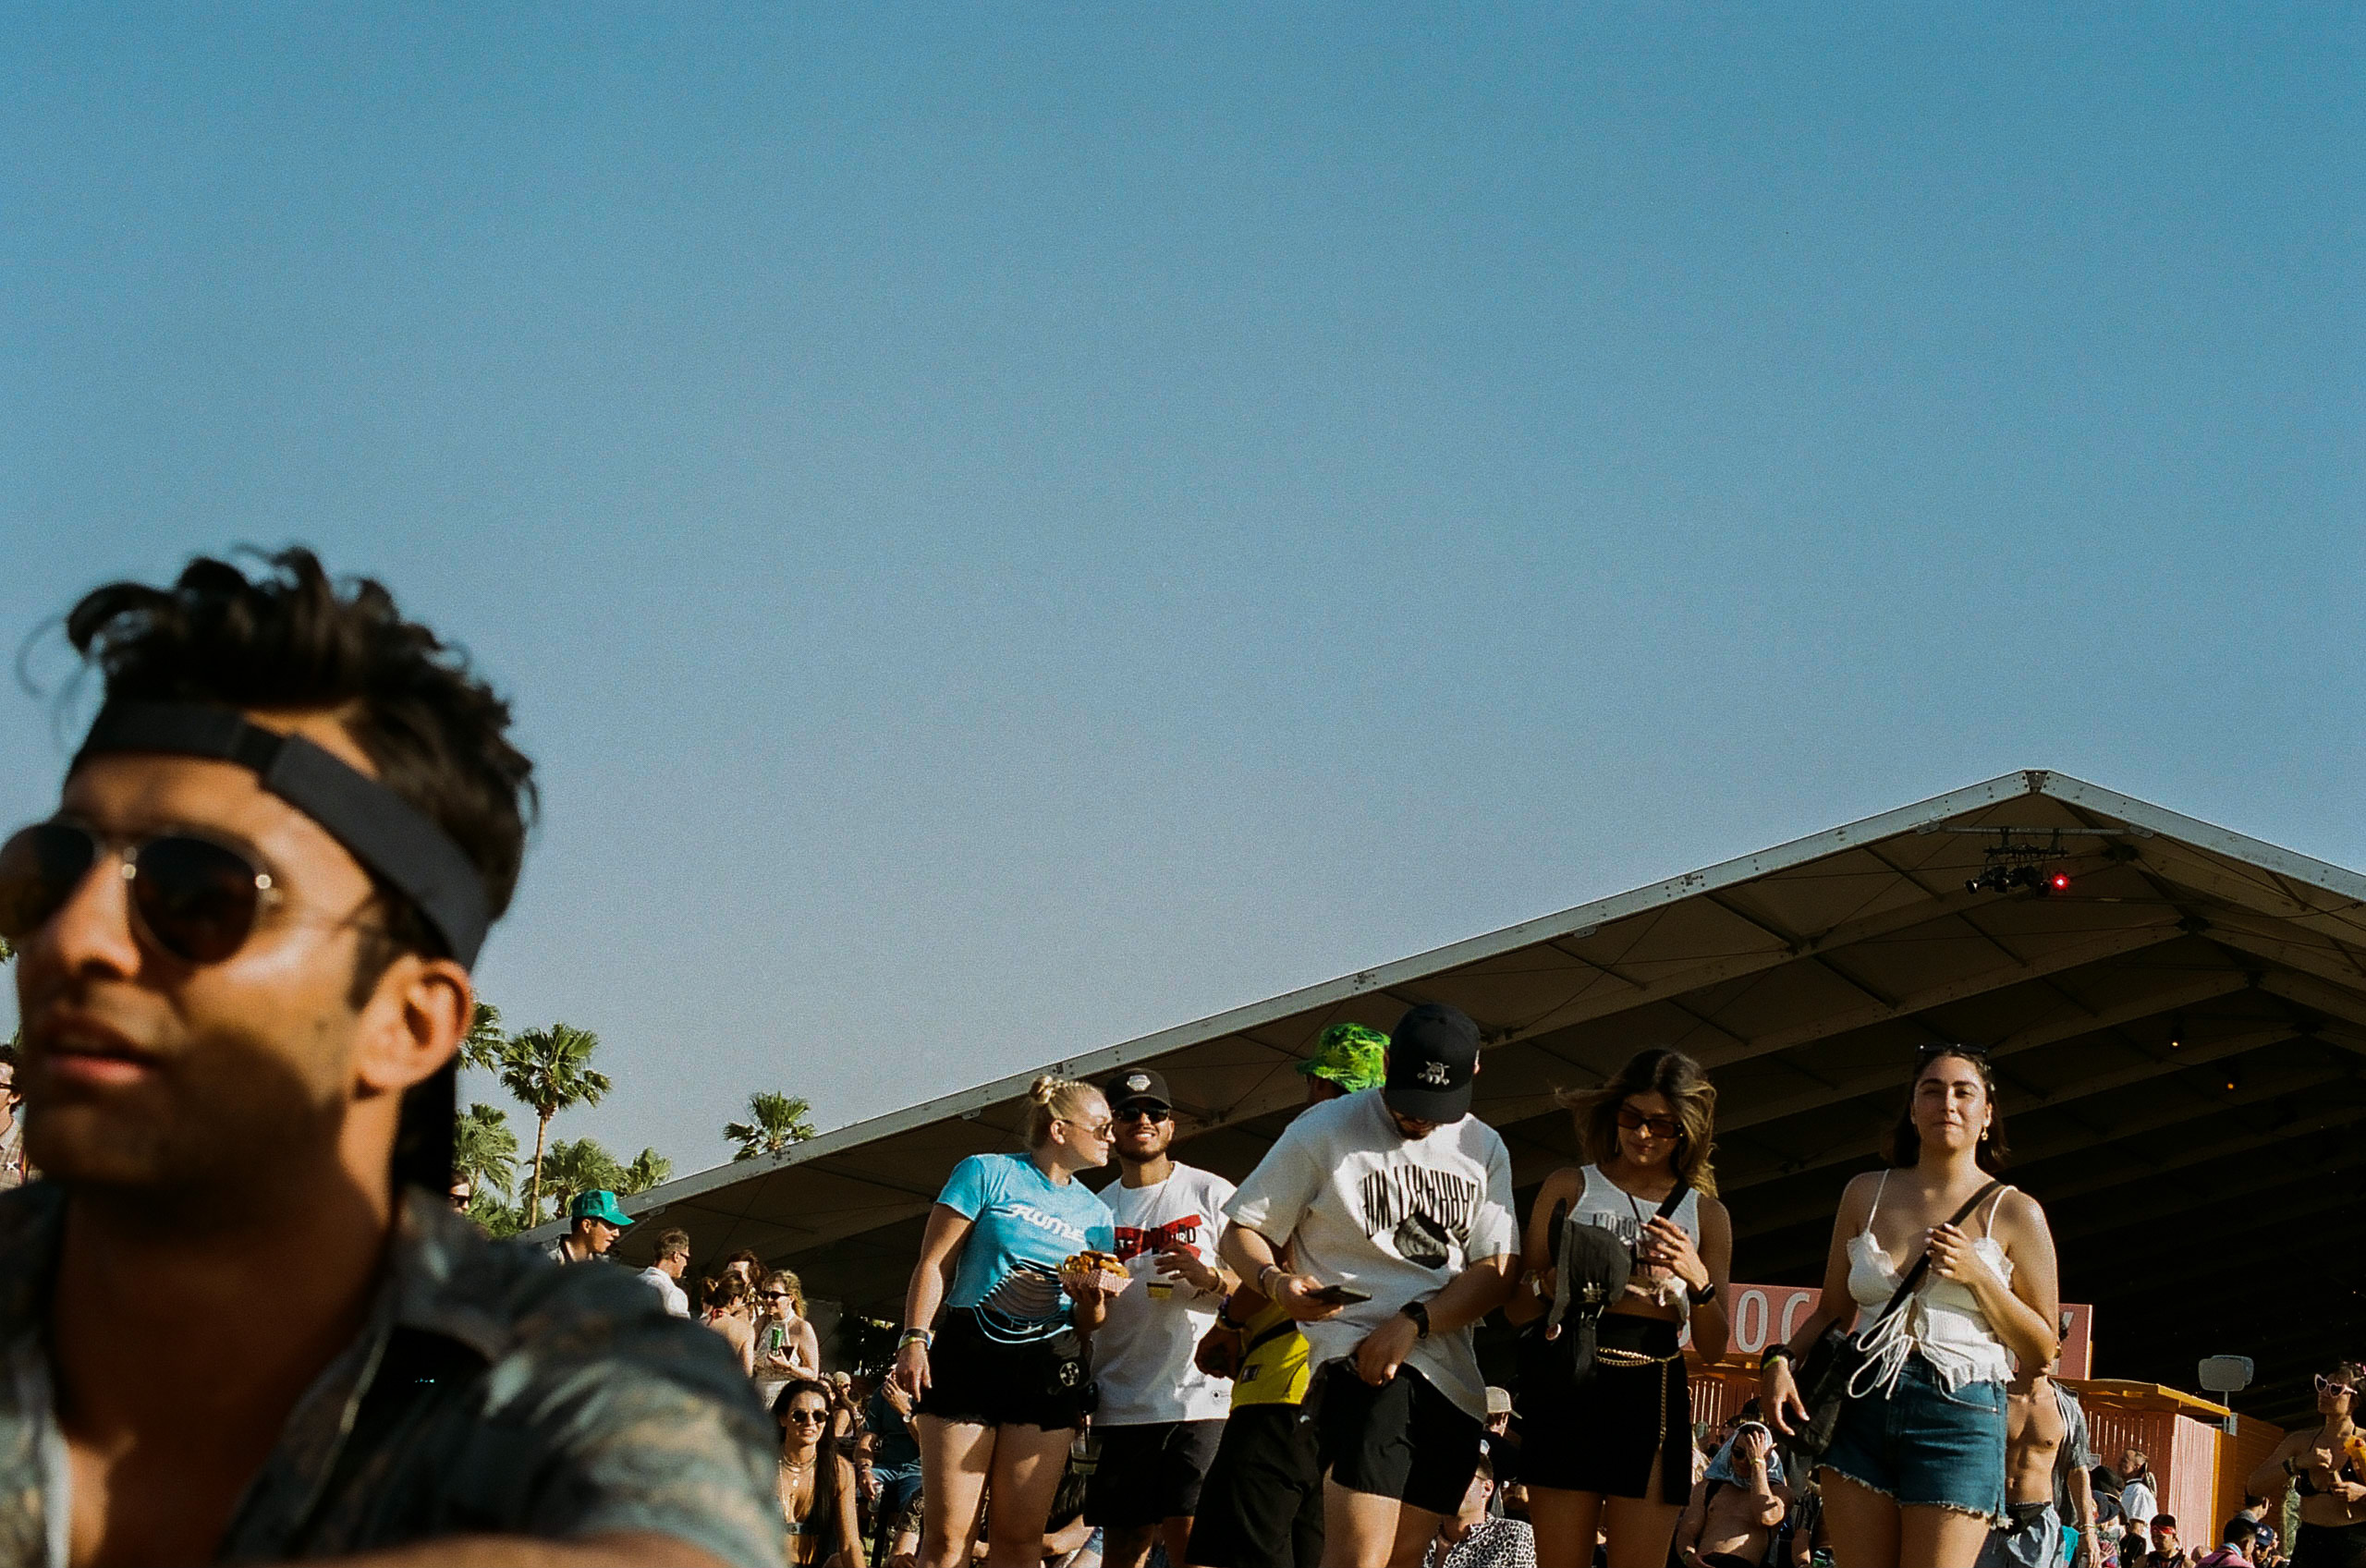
(817, 1481)
(1613, 1451)
(1916, 1469)
(2327, 1467)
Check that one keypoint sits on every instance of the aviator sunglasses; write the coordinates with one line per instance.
(191, 897)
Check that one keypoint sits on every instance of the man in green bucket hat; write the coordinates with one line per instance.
(1348, 1057)
(598, 1223)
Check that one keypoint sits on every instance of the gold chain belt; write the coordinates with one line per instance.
(1609, 1356)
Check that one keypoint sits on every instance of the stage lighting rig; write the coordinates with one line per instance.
(2017, 865)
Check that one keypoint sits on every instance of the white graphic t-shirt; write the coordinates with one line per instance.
(1142, 1356)
(1396, 1217)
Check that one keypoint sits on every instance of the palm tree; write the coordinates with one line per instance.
(481, 1048)
(578, 1167)
(777, 1121)
(650, 1169)
(550, 1070)
(484, 1149)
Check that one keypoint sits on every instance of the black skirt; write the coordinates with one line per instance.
(1601, 1435)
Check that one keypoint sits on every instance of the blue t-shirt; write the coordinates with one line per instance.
(1026, 1225)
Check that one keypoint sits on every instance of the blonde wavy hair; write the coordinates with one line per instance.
(1053, 1099)
(1673, 1077)
(788, 1280)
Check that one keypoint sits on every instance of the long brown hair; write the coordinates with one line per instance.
(1676, 1079)
(1903, 1146)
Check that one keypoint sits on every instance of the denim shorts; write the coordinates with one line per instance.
(1924, 1447)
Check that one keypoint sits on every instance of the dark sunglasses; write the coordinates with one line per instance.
(778, 1296)
(1658, 1126)
(191, 897)
(816, 1417)
(1145, 1113)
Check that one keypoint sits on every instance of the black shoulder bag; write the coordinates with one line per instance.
(1593, 1268)
(1834, 1358)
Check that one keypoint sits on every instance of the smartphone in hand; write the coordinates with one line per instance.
(1339, 1296)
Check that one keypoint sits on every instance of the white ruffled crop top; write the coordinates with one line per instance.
(1944, 1321)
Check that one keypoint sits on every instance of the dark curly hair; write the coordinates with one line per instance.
(292, 639)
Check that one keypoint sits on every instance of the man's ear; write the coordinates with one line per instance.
(413, 1023)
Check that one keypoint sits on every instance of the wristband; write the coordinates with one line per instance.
(1419, 1312)
(1265, 1273)
(1773, 1352)
(922, 1337)
(1705, 1295)
(1224, 1314)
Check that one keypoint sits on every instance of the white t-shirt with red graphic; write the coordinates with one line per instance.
(1141, 1355)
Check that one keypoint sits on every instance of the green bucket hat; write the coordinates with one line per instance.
(598, 1204)
(1349, 1055)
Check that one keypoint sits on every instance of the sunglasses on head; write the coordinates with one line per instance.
(191, 897)
(1634, 1121)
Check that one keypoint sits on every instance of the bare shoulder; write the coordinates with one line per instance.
(1559, 1185)
(1857, 1197)
(1713, 1214)
(2020, 1214)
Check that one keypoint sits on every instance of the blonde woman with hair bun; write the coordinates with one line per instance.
(994, 1324)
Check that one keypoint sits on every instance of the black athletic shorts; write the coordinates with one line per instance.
(1261, 1504)
(1152, 1472)
(1402, 1440)
(971, 1377)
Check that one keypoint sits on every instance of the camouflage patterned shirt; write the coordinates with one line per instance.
(489, 1393)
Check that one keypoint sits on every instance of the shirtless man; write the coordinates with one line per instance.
(1729, 1524)
(2047, 1455)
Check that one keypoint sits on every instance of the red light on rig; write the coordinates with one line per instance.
(2059, 882)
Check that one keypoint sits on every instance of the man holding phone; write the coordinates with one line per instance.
(1160, 1416)
(1400, 1197)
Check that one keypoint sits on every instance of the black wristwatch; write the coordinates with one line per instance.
(1705, 1295)
(1419, 1312)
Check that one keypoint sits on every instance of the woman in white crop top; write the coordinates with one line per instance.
(1916, 1469)
(1615, 1451)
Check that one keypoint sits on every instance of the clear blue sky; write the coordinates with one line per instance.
(1011, 526)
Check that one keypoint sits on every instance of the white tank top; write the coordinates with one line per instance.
(1944, 1321)
(1604, 1203)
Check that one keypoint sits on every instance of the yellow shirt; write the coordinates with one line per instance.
(1274, 1372)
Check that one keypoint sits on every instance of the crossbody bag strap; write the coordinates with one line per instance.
(1914, 1275)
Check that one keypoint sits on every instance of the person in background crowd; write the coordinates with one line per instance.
(994, 1325)
(1160, 1415)
(816, 1480)
(2262, 1544)
(1394, 1205)
(2046, 1458)
(894, 1461)
(728, 1314)
(2327, 1467)
(1262, 1503)
(1916, 1470)
(597, 1222)
(2233, 1549)
(1502, 1449)
(2166, 1551)
(785, 1346)
(1475, 1535)
(665, 1275)
(1804, 1544)
(1610, 1454)
(2135, 1540)
(12, 1124)
(244, 943)
(1733, 1515)
(461, 1194)
(2138, 1500)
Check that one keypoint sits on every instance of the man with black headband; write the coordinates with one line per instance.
(246, 936)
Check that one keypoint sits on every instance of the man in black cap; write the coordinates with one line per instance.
(1160, 1415)
(1397, 1204)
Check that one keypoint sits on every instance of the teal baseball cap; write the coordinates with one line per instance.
(1349, 1055)
(598, 1204)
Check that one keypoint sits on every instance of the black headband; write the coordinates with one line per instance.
(384, 832)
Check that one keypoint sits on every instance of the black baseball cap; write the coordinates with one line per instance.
(1137, 1085)
(1433, 1056)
